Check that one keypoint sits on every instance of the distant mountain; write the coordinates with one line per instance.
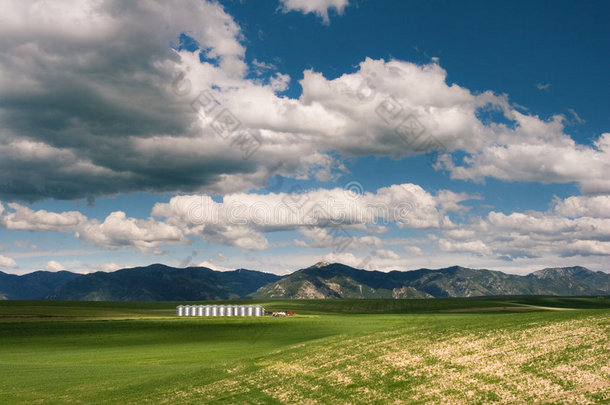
(574, 280)
(33, 285)
(325, 280)
(158, 282)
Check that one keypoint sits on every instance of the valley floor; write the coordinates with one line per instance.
(130, 353)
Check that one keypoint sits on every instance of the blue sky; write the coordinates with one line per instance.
(111, 155)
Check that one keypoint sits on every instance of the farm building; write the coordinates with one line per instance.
(220, 310)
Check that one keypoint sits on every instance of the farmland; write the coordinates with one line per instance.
(503, 350)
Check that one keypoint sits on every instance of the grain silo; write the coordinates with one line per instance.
(220, 310)
(258, 310)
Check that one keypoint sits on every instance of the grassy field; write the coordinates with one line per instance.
(481, 350)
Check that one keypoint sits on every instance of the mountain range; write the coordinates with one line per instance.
(158, 282)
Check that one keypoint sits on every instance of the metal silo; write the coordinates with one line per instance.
(222, 310)
(180, 310)
(242, 310)
(249, 310)
(230, 310)
(214, 310)
(207, 310)
(258, 311)
(199, 310)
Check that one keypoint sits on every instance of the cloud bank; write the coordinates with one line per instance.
(98, 98)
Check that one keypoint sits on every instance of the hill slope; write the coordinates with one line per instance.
(336, 280)
(33, 285)
(158, 282)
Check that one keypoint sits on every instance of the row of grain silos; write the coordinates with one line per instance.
(220, 310)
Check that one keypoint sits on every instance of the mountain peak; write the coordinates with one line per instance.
(320, 264)
(554, 272)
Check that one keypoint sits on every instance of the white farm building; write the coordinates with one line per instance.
(220, 310)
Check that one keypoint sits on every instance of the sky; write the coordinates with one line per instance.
(271, 135)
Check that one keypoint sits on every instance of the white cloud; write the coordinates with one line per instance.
(213, 266)
(584, 206)
(117, 231)
(327, 217)
(324, 216)
(386, 254)
(576, 226)
(279, 82)
(106, 132)
(23, 218)
(450, 201)
(108, 267)
(345, 258)
(414, 250)
(475, 246)
(538, 151)
(317, 7)
(7, 262)
(52, 265)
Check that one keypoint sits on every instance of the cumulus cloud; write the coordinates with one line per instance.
(386, 254)
(579, 206)
(116, 231)
(82, 79)
(546, 159)
(97, 102)
(475, 246)
(7, 262)
(52, 265)
(576, 226)
(317, 7)
(25, 219)
(324, 216)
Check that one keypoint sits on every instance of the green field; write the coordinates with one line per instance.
(480, 350)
